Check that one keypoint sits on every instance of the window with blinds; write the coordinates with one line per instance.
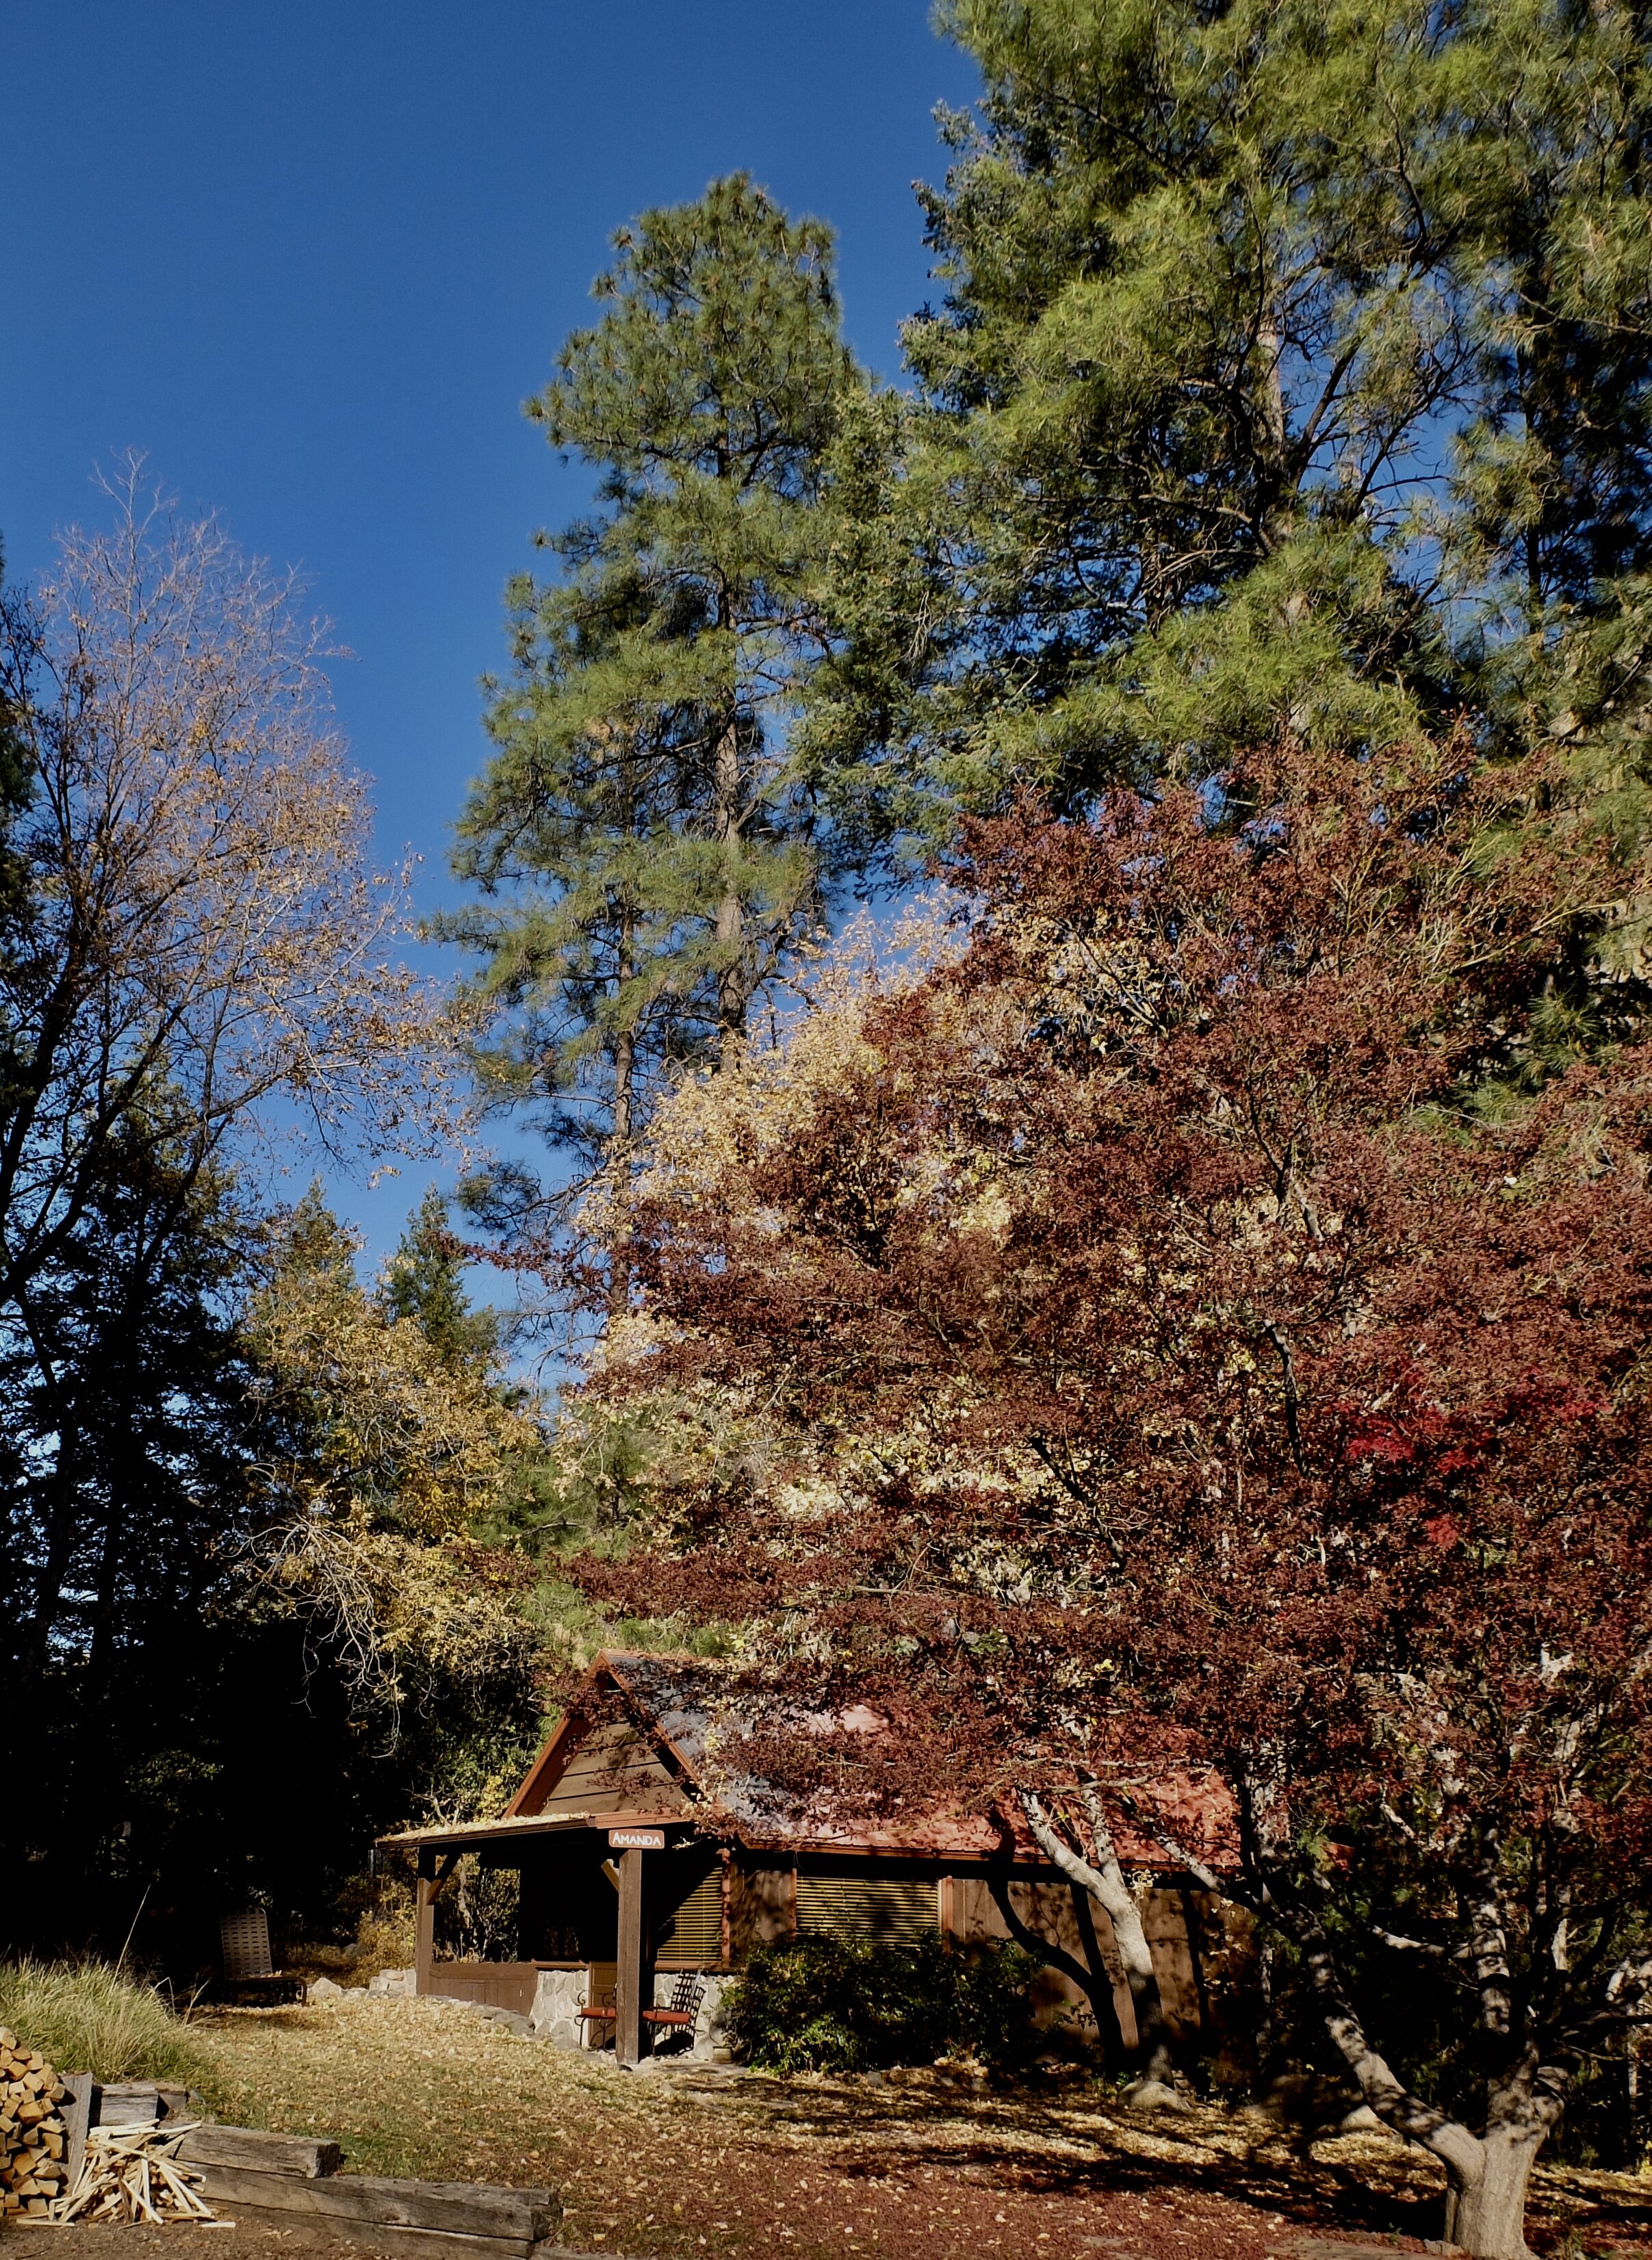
(860, 1906)
(692, 1931)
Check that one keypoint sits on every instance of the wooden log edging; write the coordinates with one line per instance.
(281, 2181)
(268, 2154)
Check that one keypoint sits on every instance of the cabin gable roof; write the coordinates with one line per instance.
(612, 1753)
(651, 1737)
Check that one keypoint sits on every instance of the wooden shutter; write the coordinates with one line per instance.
(692, 1930)
(864, 1906)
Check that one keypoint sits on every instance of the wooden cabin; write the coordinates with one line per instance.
(643, 1854)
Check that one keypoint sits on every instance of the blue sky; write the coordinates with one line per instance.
(311, 258)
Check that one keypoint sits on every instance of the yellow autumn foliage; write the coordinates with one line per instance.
(706, 1438)
(383, 1451)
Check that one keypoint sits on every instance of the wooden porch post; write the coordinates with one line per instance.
(425, 1899)
(630, 1974)
(433, 1874)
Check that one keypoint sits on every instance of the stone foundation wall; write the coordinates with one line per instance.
(555, 2016)
(711, 2029)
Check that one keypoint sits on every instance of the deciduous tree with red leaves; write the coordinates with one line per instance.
(1201, 1322)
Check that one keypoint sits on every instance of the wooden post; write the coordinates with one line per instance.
(433, 1874)
(425, 1897)
(80, 2115)
(631, 1972)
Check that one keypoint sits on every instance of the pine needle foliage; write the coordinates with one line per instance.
(1289, 371)
(645, 848)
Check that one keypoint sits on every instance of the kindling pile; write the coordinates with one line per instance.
(32, 2135)
(132, 2173)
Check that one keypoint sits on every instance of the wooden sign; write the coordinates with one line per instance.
(637, 1840)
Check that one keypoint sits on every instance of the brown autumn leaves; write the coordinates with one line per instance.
(210, 944)
(1194, 1317)
(1203, 1322)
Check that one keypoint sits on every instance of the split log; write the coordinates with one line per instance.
(133, 2174)
(121, 2110)
(141, 2102)
(80, 2116)
(33, 2132)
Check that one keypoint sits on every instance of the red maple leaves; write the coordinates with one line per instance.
(1202, 1325)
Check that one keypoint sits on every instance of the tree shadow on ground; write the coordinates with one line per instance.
(1364, 2184)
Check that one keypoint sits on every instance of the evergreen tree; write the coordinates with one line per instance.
(645, 842)
(1292, 373)
(124, 1499)
(389, 1453)
(158, 1420)
(424, 1282)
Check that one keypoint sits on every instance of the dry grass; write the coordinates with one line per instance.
(86, 2017)
(690, 2162)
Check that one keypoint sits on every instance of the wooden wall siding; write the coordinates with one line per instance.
(896, 1908)
(1226, 1972)
(760, 1908)
(1178, 1963)
(1044, 1907)
(495, 1985)
(1164, 1920)
(615, 1768)
(1205, 1952)
(1047, 1909)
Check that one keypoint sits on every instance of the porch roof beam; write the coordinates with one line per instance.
(461, 1835)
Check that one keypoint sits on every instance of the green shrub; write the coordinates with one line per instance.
(827, 2004)
(993, 2018)
(86, 2017)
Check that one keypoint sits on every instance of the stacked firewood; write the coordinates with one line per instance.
(32, 2135)
(132, 2173)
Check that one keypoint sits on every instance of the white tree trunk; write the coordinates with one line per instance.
(1103, 1880)
(1487, 2216)
(1486, 2174)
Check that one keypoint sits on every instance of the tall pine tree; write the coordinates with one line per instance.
(646, 845)
(124, 1490)
(1291, 373)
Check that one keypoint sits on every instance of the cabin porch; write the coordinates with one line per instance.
(616, 1908)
